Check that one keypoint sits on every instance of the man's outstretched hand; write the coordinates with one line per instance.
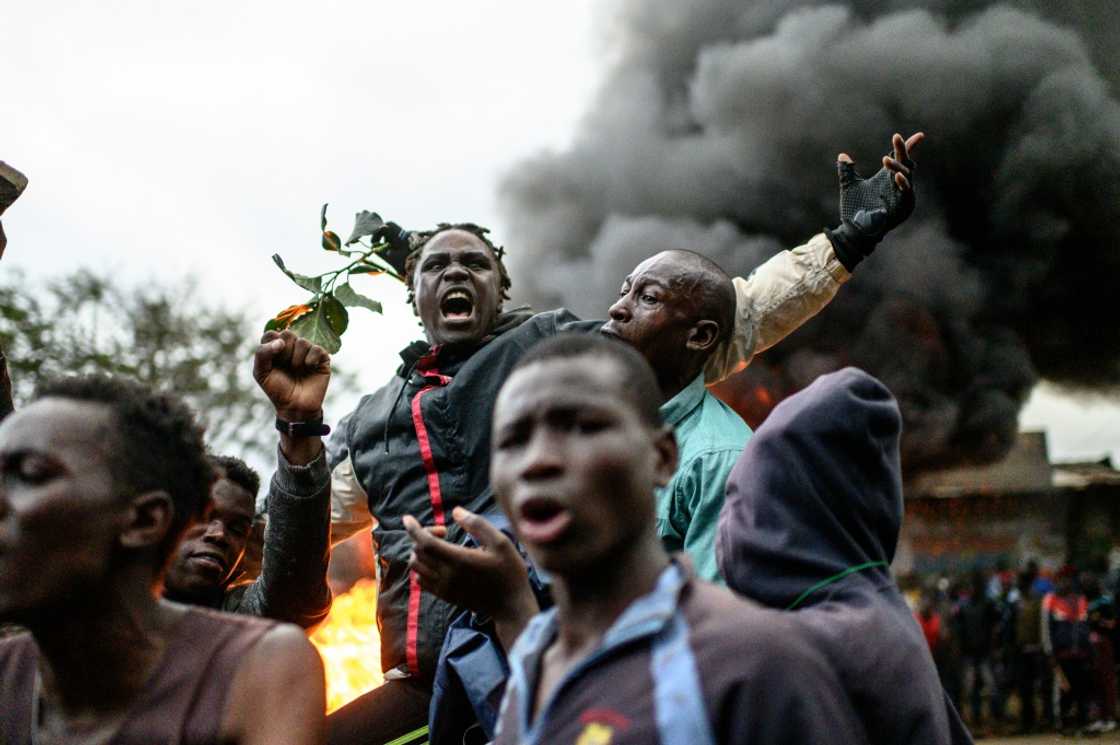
(872, 207)
(490, 580)
(294, 374)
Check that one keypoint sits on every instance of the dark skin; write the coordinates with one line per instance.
(211, 551)
(492, 579)
(659, 313)
(571, 450)
(457, 289)
(294, 374)
(495, 569)
(902, 149)
(80, 567)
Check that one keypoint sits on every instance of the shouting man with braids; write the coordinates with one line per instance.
(420, 445)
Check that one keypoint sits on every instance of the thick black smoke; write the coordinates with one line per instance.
(717, 129)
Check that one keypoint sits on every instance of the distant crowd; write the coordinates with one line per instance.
(1024, 651)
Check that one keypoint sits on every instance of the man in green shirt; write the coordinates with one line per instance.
(710, 436)
(676, 309)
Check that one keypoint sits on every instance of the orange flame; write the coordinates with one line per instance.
(350, 646)
(763, 396)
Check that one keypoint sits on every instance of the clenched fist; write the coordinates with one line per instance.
(294, 374)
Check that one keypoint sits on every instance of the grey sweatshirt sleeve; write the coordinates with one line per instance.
(292, 585)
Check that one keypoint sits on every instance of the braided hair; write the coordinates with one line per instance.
(417, 239)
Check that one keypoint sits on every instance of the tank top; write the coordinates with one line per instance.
(183, 700)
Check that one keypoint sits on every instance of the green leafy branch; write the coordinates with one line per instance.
(323, 318)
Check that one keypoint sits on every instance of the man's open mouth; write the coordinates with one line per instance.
(457, 305)
(542, 520)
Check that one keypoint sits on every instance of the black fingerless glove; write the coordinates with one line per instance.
(869, 209)
(399, 245)
(370, 223)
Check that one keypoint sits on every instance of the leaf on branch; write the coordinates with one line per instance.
(311, 284)
(324, 325)
(284, 318)
(331, 241)
(370, 266)
(365, 268)
(323, 218)
(348, 296)
(365, 223)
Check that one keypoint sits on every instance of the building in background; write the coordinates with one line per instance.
(1023, 507)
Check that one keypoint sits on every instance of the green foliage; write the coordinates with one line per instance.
(366, 225)
(161, 335)
(324, 324)
(323, 318)
(351, 298)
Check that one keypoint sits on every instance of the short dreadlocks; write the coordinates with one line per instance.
(419, 238)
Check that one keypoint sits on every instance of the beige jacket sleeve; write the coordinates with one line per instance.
(777, 297)
(349, 504)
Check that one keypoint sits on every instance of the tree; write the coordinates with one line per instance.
(163, 335)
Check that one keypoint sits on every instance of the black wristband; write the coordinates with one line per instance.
(313, 428)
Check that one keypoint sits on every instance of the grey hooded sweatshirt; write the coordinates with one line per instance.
(811, 521)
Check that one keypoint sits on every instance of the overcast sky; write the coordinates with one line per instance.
(164, 139)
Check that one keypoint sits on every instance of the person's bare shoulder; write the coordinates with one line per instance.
(287, 643)
(278, 694)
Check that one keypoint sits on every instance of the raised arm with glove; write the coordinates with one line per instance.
(872, 207)
(794, 285)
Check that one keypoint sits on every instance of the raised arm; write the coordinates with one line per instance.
(292, 586)
(777, 297)
(793, 286)
(294, 374)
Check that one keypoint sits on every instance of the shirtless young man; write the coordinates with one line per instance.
(99, 478)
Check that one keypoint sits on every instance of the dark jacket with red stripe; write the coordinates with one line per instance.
(421, 446)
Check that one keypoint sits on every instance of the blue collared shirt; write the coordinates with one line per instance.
(678, 698)
(710, 436)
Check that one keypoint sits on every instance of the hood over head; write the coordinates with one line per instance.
(816, 492)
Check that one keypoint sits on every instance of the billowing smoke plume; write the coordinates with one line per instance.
(717, 129)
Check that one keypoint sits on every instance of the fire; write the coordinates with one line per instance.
(763, 395)
(350, 646)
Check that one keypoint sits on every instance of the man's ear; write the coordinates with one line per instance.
(703, 337)
(149, 520)
(667, 455)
